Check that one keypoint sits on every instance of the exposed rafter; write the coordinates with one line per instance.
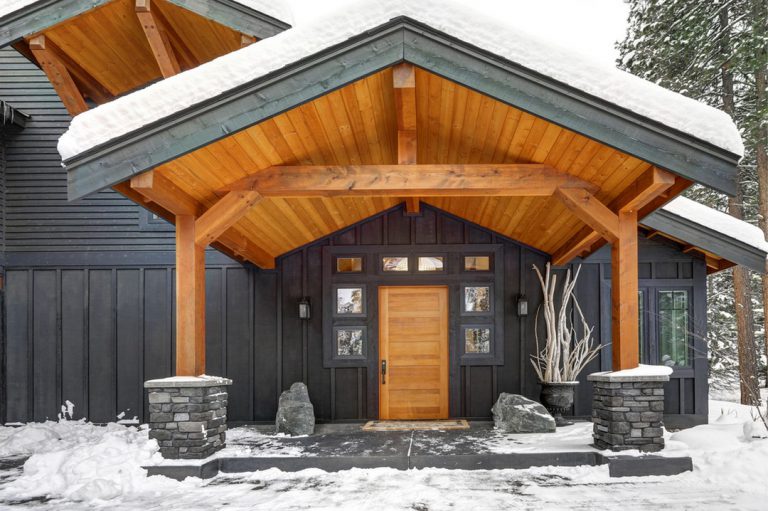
(157, 37)
(158, 189)
(511, 180)
(58, 74)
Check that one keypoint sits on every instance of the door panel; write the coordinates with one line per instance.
(413, 340)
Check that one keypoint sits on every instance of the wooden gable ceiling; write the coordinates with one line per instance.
(108, 54)
(357, 125)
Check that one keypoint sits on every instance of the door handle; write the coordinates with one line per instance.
(383, 372)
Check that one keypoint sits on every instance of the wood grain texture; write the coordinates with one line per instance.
(624, 290)
(57, 72)
(158, 38)
(413, 339)
(190, 300)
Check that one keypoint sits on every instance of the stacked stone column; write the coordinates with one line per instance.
(627, 411)
(188, 415)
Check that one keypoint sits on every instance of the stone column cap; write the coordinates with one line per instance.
(188, 381)
(642, 373)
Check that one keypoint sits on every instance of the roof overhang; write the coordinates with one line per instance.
(44, 14)
(400, 40)
(13, 120)
(707, 239)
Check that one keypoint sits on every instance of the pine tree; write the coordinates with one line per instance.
(713, 51)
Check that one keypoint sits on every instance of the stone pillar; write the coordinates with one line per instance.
(628, 409)
(188, 415)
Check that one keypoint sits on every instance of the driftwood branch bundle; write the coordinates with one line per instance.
(566, 352)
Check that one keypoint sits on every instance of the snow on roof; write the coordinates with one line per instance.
(717, 220)
(9, 6)
(516, 43)
(277, 9)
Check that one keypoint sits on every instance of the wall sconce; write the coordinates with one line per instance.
(304, 309)
(522, 306)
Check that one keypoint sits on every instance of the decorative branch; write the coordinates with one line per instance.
(566, 352)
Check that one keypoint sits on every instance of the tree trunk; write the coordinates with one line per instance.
(761, 140)
(744, 315)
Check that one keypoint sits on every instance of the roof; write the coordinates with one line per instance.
(503, 39)
(13, 119)
(259, 18)
(713, 231)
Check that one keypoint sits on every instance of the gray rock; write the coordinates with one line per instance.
(513, 413)
(295, 413)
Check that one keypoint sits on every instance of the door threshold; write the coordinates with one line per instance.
(416, 425)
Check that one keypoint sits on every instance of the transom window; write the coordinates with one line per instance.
(431, 263)
(349, 264)
(394, 263)
(477, 263)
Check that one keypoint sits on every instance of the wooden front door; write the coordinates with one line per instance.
(413, 351)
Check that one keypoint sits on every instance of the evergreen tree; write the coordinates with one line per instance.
(715, 52)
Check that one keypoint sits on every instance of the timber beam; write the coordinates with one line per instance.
(511, 180)
(591, 211)
(157, 37)
(58, 74)
(190, 299)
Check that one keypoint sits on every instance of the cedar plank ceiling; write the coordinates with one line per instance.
(357, 125)
(110, 45)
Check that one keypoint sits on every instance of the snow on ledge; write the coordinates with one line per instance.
(188, 381)
(717, 220)
(509, 39)
(639, 373)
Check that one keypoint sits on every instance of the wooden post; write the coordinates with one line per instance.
(190, 299)
(624, 289)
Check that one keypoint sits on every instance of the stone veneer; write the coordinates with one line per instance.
(188, 415)
(627, 411)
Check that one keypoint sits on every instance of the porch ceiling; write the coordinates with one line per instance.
(108, 54)
(357, 125)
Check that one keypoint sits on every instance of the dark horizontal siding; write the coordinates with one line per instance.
(38, 217)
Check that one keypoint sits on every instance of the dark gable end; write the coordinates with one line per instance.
(44, 14)
(401, 39)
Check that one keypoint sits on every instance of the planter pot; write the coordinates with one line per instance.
(557, 398)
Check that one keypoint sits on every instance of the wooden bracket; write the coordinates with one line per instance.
(223, 215)
(157, 37)
(591, 211)
(59, 75)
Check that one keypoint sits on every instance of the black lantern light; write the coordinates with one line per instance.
(522, 306)
(304, 308)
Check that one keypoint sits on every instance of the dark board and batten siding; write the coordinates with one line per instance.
(38, 216)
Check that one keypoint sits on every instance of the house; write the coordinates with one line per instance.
(354, 203)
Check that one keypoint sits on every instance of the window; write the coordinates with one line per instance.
(673, 328)
(398, 264)
(477, 263)
(149, 221)
(350, 301)
(477, 340)
(477, 299)
(350, 341)
(431, 263)
(349, 264)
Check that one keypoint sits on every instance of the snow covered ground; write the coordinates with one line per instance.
(75, 465)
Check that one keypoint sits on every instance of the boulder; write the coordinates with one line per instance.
(295, 413)
(513, 413)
